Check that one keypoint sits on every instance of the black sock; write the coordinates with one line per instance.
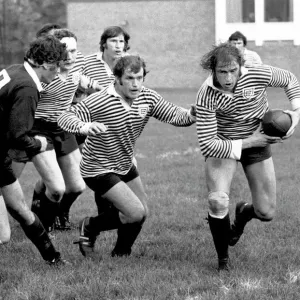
(107, 220)
(127, 234)
(220, 230)
(66, 202)
(39, 237)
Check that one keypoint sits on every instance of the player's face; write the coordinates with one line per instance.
(71, 45)
(227, 75)
(114, 46)
(130, 84)
(48, 72)
(238, 44)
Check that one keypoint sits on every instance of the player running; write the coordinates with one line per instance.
(230, 106)
(113, 119)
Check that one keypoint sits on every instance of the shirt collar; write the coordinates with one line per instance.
(99, 56)
(112, 91)
(33, 75)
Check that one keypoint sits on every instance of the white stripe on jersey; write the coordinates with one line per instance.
(98, 69)
(58, 95)
(112, 151)
(223, 117)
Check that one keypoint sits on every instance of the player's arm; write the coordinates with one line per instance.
(172, 114)
(21, 120)
(288, 81)
(89, 85)
(78, 119)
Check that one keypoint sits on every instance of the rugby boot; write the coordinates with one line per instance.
(244, 212)
(58, 261)
(86, 241)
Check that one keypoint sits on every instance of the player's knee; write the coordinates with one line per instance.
(5, 236)
(265, 214)
(218, 204)
(138, 214)
(55, 194)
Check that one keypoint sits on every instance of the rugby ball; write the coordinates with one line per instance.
(276, 123)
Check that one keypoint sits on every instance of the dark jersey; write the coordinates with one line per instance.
(19, 96)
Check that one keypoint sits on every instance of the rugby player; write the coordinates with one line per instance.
(113, 119)
(61, 182)
(251, 58)
(230, 106)
(20, 91)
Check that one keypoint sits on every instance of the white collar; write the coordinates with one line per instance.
(99, 56)
(33, 75)
(112, 91)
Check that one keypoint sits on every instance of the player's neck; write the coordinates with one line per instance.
(109, 60)
(64, 73)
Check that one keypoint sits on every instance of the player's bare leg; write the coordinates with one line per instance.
(127, 210)
(262, 183)
(75, 185)
(4, 223)
(49, 197)
(219, 174)
(30, 223)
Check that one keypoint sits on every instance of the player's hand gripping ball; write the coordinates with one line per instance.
(276, 123)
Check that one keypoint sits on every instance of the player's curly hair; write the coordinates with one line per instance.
(111, 32)
(63, 32)
(223, 52)
(46, 49)
(132, 62)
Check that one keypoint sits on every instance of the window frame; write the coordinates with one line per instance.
(258, 31)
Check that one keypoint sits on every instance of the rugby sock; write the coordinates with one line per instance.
(48, 211)
(107, 220)
(127, 234)
(220, 230)
(39, 237)
(66, 202)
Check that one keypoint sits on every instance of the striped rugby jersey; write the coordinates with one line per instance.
(251, 58)
(95, 67)
(112, 151)
(224, 119)
(58, 95)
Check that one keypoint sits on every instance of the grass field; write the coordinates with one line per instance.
(174, 257)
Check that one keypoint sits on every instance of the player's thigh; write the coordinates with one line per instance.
(4, 223)
(16, 204)
(69, 165)
(262, 182)
(126, 201)
(47, 166)
(219, 173)
(18, 168)
(137, 187)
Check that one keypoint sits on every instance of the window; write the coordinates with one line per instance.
(258, 20)
(278, 10)
(240, 11)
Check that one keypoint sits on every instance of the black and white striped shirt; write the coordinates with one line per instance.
(224, 119)
(58, 95)
(112, 151)
(95, 67)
